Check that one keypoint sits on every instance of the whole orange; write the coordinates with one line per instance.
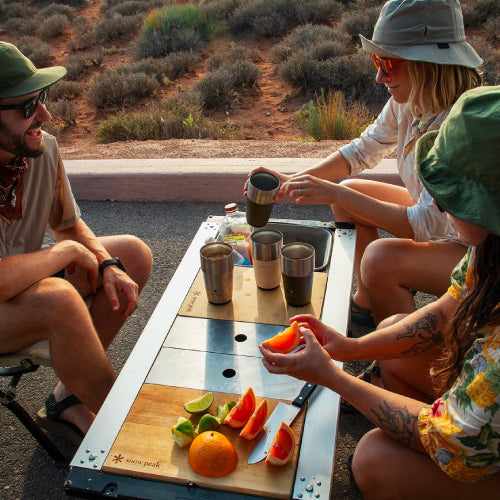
(211, 454)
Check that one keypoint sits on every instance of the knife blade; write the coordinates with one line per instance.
(282, 413)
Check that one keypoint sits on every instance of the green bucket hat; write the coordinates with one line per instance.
(422, 30)
(459, 164)
(19, 75)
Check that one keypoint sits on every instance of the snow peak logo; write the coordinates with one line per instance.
(144, 463)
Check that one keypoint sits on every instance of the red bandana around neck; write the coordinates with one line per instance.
(11, 189)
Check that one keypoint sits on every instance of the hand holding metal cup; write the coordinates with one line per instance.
(262, 189)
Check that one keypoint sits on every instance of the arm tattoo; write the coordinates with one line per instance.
(398, 422)
(425, 332)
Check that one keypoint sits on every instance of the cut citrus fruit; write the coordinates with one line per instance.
(242, 411)
(211, 454)
(207, 423)
(183, 432)
(281, 451)
(201, 404)
(285, 341)
(256, 422)
(224, 409)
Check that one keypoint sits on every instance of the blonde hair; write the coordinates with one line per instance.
(435, 87)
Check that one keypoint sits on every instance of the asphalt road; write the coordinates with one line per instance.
(26, 472)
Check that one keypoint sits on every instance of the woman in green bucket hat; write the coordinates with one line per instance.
(444, 444)
(424, 61)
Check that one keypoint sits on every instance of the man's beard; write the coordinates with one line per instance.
(17, 145)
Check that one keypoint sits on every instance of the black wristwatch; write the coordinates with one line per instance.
(115, 261)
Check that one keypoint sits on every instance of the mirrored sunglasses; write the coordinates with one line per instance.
(386, 64)
(29, 106)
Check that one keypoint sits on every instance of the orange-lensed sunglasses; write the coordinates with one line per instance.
(386, 64)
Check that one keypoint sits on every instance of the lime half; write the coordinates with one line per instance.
(201, 404)
(207, 423)
(183, 432)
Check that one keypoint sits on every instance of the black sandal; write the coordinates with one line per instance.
(49, 418)
(366, 376)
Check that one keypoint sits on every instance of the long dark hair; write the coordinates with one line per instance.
(478, 309)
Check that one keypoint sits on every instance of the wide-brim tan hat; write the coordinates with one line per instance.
(422, 30)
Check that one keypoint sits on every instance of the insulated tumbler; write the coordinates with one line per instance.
(217, 267)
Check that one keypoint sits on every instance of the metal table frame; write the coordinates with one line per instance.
(86, 477)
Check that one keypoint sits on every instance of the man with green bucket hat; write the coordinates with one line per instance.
(437, 432)
(42, 289)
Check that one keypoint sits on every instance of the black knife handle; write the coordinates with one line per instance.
(304, 394)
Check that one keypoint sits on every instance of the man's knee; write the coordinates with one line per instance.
(137, 256)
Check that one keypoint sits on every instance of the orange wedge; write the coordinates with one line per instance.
(285, 341)
(256, 422)
(281, 451)
(242, 411)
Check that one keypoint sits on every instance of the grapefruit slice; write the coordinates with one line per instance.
(285, 341)
(242, 410)
(281, 451)
(256, 422)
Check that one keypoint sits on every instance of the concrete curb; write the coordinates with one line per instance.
(186, 179)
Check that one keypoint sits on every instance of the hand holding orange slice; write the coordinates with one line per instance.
(285, 341)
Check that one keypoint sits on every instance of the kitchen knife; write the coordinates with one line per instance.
(282, 413)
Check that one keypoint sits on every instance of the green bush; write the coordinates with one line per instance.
(175, 28)
(116, 26)
(312, 36)
(36, 50)
(270, 18)
(116, 87)
(219, 87)
(53, 26)
(179, 117)
(329, 118)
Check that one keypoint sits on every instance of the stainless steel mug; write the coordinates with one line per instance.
(297, 269)
(217, 267)
(262, 188)
(265, 247)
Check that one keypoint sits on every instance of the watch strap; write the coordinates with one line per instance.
(115, 261)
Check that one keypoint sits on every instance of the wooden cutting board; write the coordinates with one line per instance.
(250, 303)
(145, 449)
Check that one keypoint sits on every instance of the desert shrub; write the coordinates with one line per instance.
(36, 50)
(269, 18)
(65, 89)
(330, 118)
(116, 26)
(219, 87)
(16, 10)
(82, 41)
(477, 12)
(75, 66)
(175, 28)
(118, 86)
(81, 25)
(64, 110)
(231, 56)
(53, 26)
(20, 25)
(219, 9)
(352, 74)
(178, 117)
(172, 66)
(309, 36)
(132, 7)
(491, 64)
(360, 22)
(492, 30)
(54, 8)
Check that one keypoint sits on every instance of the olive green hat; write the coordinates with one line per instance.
(460, 164)
(19, 75)
(422, 30)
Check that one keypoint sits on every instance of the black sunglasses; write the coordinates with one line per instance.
(29, 107)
